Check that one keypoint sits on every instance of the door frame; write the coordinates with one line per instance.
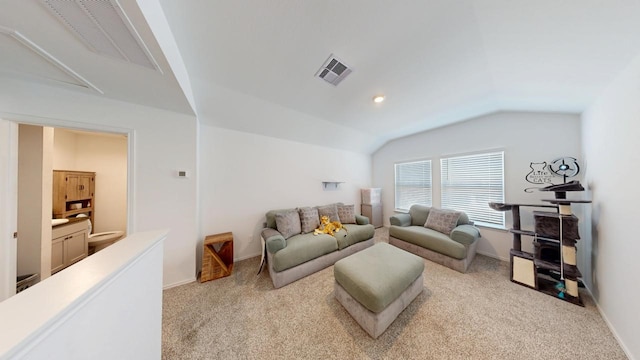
(9, 185)
(8, 207)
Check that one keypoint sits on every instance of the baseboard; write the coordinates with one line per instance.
(246, 257)
(187, 281)
(610, 326)
(493, 256)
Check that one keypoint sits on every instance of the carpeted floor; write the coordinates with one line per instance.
(477, 315)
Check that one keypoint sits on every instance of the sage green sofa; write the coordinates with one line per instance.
(290, 258)
(455, 250)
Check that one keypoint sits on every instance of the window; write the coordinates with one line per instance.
(413, 184)
(470, 182)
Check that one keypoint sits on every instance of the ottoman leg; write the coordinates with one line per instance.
(376, 323)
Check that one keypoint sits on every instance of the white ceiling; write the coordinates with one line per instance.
(115, 78)
(251, 64)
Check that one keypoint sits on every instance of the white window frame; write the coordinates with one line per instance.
(469, 182)
(422, 199)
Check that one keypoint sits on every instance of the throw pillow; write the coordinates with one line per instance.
(347, 214)
(330, 211)
(288, 223)
(309, 219)
(442, 220)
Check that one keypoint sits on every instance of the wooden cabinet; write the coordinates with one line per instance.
(78, 186)
(57, 255)
(69, 244)
(73, 194)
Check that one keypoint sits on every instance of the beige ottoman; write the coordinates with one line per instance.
(376, 284)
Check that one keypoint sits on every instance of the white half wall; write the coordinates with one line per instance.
(610, 129)
(524, 137)
(242, 176)
(161, 143)
(108, 306)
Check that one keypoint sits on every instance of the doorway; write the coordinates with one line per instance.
(41, 150)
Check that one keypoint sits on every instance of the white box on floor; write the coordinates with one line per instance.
(371, 195)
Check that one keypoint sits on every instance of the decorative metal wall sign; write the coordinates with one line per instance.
(543, 173)
(539, 174)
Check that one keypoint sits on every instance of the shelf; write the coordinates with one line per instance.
(566, 201)
(554, 215)
(72, 189)
(529, 233)
(548, 287)
(506, 206)
(571, 272)
(331, 185)
(77, 211)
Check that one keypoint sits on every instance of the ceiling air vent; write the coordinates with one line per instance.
(103, 26)
(333, 71)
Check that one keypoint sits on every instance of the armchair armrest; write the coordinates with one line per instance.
(465, 234)
(400, 220)
(273, 240)
(362, 220)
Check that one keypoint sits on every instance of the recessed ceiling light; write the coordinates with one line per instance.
(378, 99)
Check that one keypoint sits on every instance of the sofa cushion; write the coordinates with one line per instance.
(354, 234)
(302, 248)
(330, 211)
(400, 219)
(273, 240)
(419, 214)
(347, 214)
(442, 220)
(362, 220)
(464, 219)
(271, 217)
(465, 234)
(288, 223)
(309, 220)
(429, 239)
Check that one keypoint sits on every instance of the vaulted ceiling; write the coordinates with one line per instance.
(250, 65)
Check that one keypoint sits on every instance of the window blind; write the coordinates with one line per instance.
(470, 182)
(412, 184)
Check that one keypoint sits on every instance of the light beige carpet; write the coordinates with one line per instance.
(477, 315)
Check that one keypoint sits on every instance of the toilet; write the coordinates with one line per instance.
(101, 240)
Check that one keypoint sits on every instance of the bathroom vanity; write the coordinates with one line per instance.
(69, 243)
(73, 194)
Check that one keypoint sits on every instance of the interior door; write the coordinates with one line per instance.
(8, 207)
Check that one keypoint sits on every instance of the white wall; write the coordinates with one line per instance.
(243, 176)
(65, 149)
(524, 137)
(34, 200)
(162, 143)
(610, 136)
(106, 155)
